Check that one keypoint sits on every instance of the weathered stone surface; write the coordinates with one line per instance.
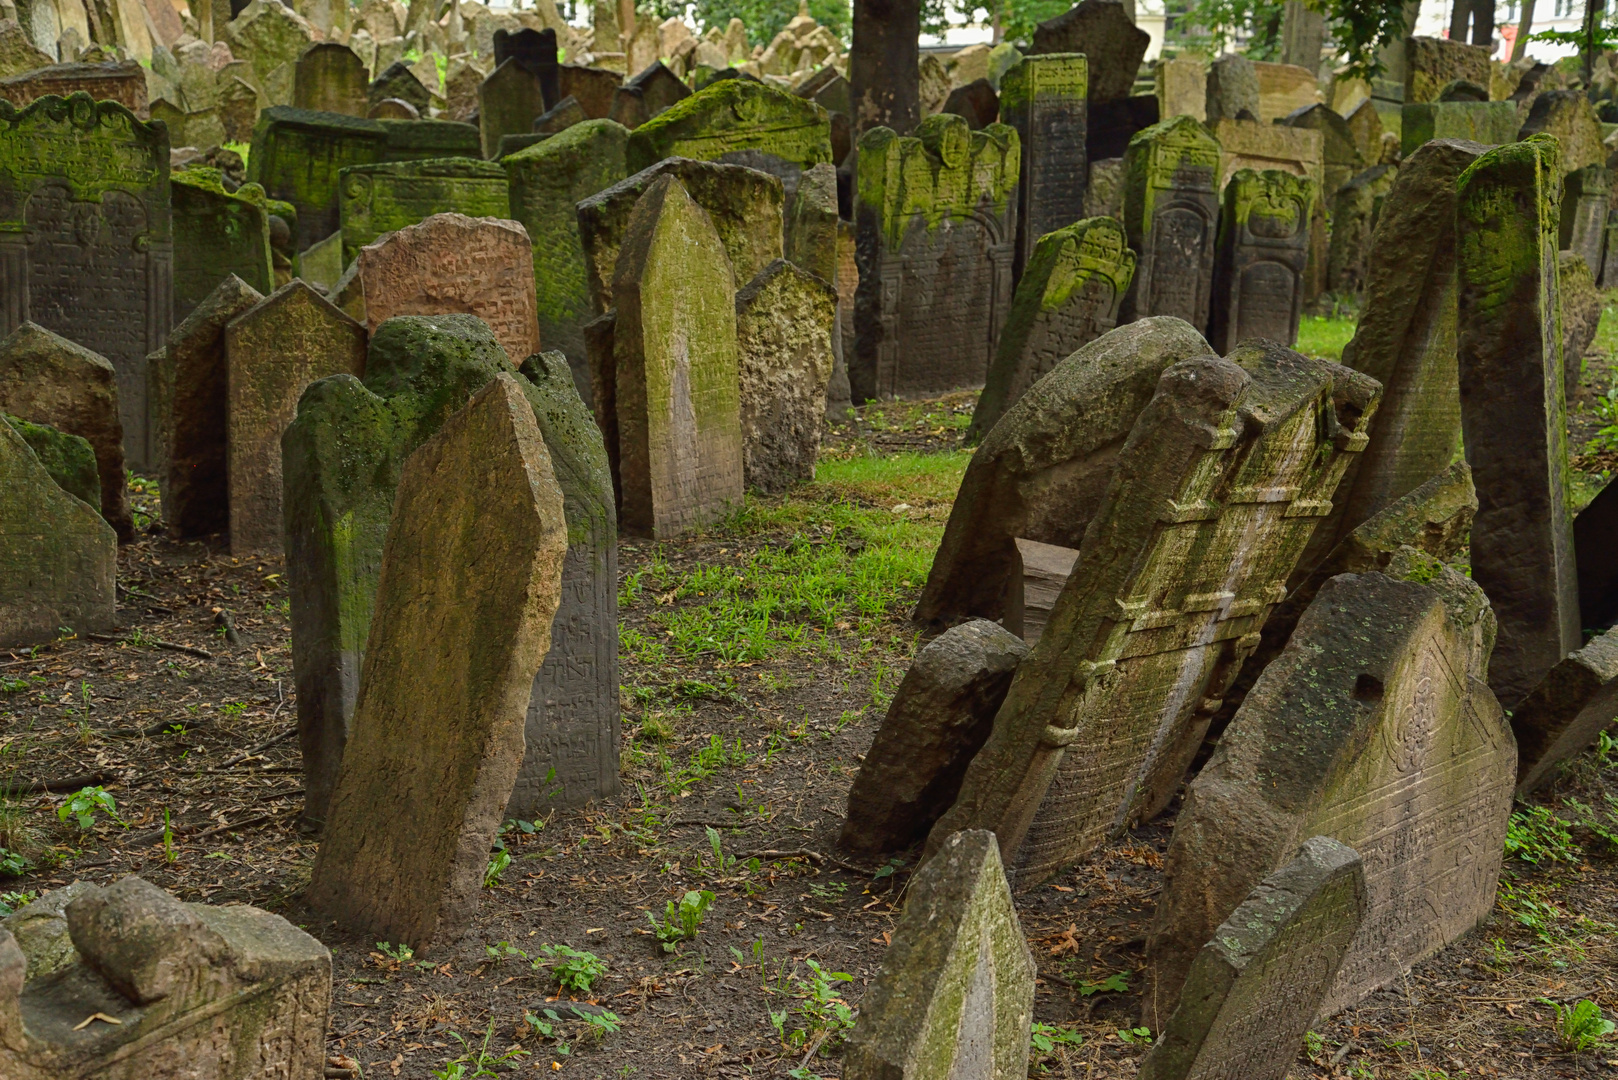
(1561, 717)
(1568, 115)
(955, 995)
(88, 248)
(330, 77)
(1104, 32)
(839, 395)
(1182, 87)
(271, 37)
(67, 458)
(58, 557)
(936, 216)
(1510, 365)
(509, 101)
(560, 117)
(676, 382)
(1487, 122)
(1104, 194)
(592, 86)
(1366, 125)
(938, 720)
(272, 351)
(1374, 728)
(1356, 209)
(468, 588)
(1584, 213)
(379, 199)
(976, 102)
(143, 941)
(393, 109)
(49, 380)
(784, 322)
(216, 234)
(1257, 984)
(648, 94)
(1432, 63)
(398, 82)
(1171, 213)
(1043, 469)
(535, 50)
(1251, 144)
(1263, 249)
(40, 929)
(451, 263)
(810, 233)
(1340, 157)
(1581, 316)
(1284, 89)
(123, 81)
(1043, 98)
(1232, 92)
(1069, 295)
(1107, 712)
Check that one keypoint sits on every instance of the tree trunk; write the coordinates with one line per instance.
(1524, 28)
(1483, 23)
(883, 65)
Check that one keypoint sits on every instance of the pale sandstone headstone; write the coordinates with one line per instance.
(330, 77)
(1182, 87)
(1433, 63)
(784, 323)
(1568, 115)
(1250, 144)
(1575, 701)
(1283, 89)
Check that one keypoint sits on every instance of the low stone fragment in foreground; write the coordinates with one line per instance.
(1563, 715)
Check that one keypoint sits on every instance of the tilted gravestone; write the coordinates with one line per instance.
(379, 199)
(58, 556)
(1069, 295)
(50, 380)
(1255, 987)
(1263, 249)
(1430, 64)
(1575, 701)
(535, 50)
(1355, 211)
(1171, 213)
(1043, 97)
(784, 322)
(509, 101)
(1232, 90)
(976, 102)
(330, 77)
(939, 718)
(67, 458)
(272, 351)
(936, 220)
(470, 581)
(451, 263)
(1374, 728)
(1158, 615)
(1509, 356)
(217, 233)
(1043, 468)
(1103, 31)
(1365, 123)
(86, 244)
(1584, 213)
(1488, 122)
(676, 383)
(955, 995)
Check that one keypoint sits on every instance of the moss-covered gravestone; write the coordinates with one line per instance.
(86, 244)
(67, 458)
(1043, 97)
(1510, 361)
(1263, 249)
(1171, 211)
(1571, 118)
(1584, 213)
(1374, 728)
(509, 101)
(1355, 209)
(470, 580)
(1211, 500)
(955, 995)
(1488, 122)
(49, 380)
(784, 323)
(217, 233)
(57, 557)
(676, 382)
(330, 77)
(398, 83)
(1068, 296)
(378, 199)
(936, 216)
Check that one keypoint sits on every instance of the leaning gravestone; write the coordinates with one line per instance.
(955, 995)
(452, 263)
(1257, 984)
(1575, 701)
(936, 216)
(1068, 296)
(469, 585)
(592, 87)
(1582, 307)
(1431, 64)
(1232, 90)
(1171, 212)
(1374, 728)
(379, 199)
(1584, 213)
(809, 238)
(509, 100)
(647, 95)
(57, 556)
(784, 322)
(1043, 97)
(1159, 613)
(86, 246)
(1509, 355)
(48, 379)
(1263, 248)
(330, 78)
(1105, 32)
(217, 233)
(274, 350)
(1355, 210)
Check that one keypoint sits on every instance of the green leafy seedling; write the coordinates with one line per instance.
(574, 970)
(681, 921)
(84, 803)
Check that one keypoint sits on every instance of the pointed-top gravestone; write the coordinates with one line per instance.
(563, 115)
(784, 321)
(1103, 31)
(469, 585)
(1171, 211)
(535, 50)
(398, 81)
(593, 88)
(1340, 156)
(330, 77)
(1043, 97)
(380, 199)
(647, 95)
(955, 995)
(1263, 249)
(509, 101)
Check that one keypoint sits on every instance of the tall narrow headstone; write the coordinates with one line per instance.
(470, 581)
(1510, 360)
(535, 50)
(330, 77)
(1103, 31)
(1584, 213)
(1043, 97)
(1171, 214)
(809, 238)
(784, 322)
(509, 101)
(217, 233)
(1263, 248)
(1355, 211)
(379, 199)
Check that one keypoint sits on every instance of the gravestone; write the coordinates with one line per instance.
(1582, 306)
(68, 459)
(123, 81)
(48, 379)
(1340, 157)
(1171, 212)
(379, 199)
(393, 109)
(1568, 115)
(675, 359)
(1487, 122)
(271, 37)
(564, 115)
(936, 220)
(1182, 87)
(1111, 124)
(1043, 468)
(331, 78)
(397, 81)
(1584, 213)
(1365, 124)
(1104, 32)
(809, 233)
(217, 233)
(1105, 716)
(1249, 144)
(187, 384)
(955, 995)
(1508, 349)
(1373, 728)
(1255, 987)
(1284, 89)
(546, 181)
(536, 51)
(469, 584)
(59, 556)
(839, 397)
(86, 243)
(1355, 210)
(592, 87)
(977, 103)
(1069, 295)
(784, 323)
(451, 263)
(509, 101)
(1043, 98)
(939, 718)
(1232, 92)
(272, 351)
(1263, 248)
(1433, 63)
(1104, 194)
(1561, 717)
(651, 92)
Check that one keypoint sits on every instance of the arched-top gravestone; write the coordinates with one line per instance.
(1171, 212)
(1263, 249)
(330, 77)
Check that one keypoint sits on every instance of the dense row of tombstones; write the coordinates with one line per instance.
(1176, 532)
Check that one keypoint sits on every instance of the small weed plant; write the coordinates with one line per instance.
(403, 955)
(820, 1013)
(478, 1062)
(681, 920)
(1046, 1041)
(12, 901)
(497, 866)
(1536, 835)
(1135, 1036)
(574, 970)
(1581, 1026)
(83, 805)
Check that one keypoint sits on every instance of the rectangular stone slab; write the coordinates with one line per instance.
(1044, 98)
(1575, 702)
(378, 199)
(216, 234)
(1044, 570)
(1171, 216)
(1264, 236)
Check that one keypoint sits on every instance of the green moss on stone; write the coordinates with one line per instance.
(68, 458)
(946, 171)
(735, 115)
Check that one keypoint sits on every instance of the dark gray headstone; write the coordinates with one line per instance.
(1171, 211)
(535, 50)
(1043, 97)
(1263, 248)
(1103, 31)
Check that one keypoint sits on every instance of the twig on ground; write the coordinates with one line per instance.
(100, 778)
(189, 650)
(259, 749)
(805, 853)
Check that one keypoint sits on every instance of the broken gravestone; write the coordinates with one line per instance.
(784, 321)
(67, 458)
(1263, 249)
(1171, 212)
(1575, 701)
(379, 199)
(1043, 97)
(469, 585)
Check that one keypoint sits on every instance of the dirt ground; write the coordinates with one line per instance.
(736, 771)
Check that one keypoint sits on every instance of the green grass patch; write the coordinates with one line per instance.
(1324, 335)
